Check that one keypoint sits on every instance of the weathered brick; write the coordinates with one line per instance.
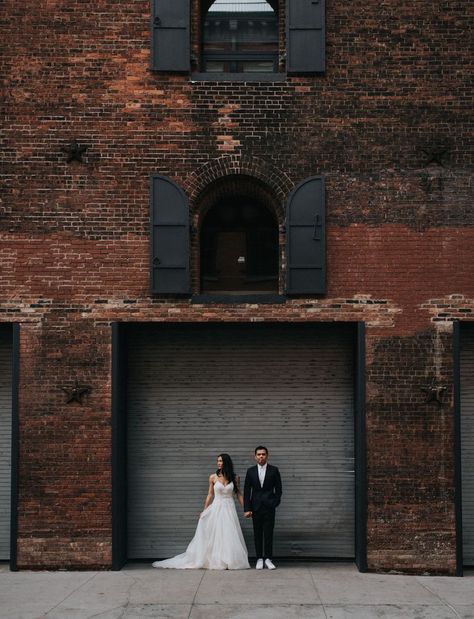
(75, 238)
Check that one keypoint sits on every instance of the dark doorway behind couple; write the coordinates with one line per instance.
(218, 543)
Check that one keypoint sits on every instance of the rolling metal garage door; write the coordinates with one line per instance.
(467, 443)
(5, 440)
(196, 391)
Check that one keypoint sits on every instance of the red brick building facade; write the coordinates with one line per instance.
(387, 126)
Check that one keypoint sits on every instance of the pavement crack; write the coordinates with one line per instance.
(195, 594)
(70, 593)
(317, 592)
(444, 602)
(126, 606)
(105, 612)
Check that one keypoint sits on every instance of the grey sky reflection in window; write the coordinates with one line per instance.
(249, 6)
(240, 37)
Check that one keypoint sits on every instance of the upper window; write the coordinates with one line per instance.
(240, 37)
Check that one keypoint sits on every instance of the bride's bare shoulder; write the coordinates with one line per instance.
(212, 478)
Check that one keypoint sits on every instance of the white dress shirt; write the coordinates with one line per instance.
(261, 473)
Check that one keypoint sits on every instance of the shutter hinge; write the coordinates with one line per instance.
(317, 224)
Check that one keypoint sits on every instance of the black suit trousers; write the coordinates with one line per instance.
(263, 525)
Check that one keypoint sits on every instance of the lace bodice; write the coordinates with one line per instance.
(223, 492)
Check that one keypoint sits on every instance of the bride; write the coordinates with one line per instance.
(218, 543)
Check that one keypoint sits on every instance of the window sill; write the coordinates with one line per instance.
(238, 299)
(237, 77)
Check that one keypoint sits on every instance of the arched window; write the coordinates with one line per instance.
(239, 247)
(240, 37)
(238, 240)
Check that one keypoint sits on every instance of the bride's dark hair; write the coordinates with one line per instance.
(227, 470)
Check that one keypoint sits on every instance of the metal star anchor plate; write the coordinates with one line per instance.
(76, 393)
(434, 393)
(74, 151)
(435, 155)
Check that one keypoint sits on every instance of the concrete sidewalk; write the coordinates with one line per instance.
(302, 591)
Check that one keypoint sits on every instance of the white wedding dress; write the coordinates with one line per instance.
(218, 543)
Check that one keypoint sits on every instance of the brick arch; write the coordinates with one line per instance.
(236, 184)
(227, 176)
(277, 182)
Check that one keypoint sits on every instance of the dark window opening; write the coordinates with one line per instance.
(240, 37)
(239, 248)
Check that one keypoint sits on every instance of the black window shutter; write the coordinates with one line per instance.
(169, 238)
(306, 238)
(171, 35)
(305, 36)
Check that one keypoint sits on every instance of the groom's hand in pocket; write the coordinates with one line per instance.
(247, 514)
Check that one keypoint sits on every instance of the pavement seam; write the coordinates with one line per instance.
(444, 602)
(396, 604)
(103, 612)
(317, 591)
(70, 593)
(195, 594)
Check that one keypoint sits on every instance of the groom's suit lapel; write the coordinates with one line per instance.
(256, 477)
(267, 475)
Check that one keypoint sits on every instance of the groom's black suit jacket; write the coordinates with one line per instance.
(256, 497)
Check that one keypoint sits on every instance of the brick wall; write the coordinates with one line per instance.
(411, 519)
(74, 238)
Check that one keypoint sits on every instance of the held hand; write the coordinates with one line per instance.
(247, 514)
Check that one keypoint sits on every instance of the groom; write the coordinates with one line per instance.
(262, 494)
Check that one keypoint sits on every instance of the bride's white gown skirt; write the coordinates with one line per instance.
(218, 543)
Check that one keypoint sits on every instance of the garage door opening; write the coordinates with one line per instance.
(193, 391)
(467, 441)
(7, 457)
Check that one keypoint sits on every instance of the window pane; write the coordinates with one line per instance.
(236, 30)
(213, 66)
(255, 67)
(239, 247)
(244, 6)
(241, 34)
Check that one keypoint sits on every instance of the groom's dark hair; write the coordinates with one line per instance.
(261, 447)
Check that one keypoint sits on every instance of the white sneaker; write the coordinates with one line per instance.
(269, 564)
(259, 565)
